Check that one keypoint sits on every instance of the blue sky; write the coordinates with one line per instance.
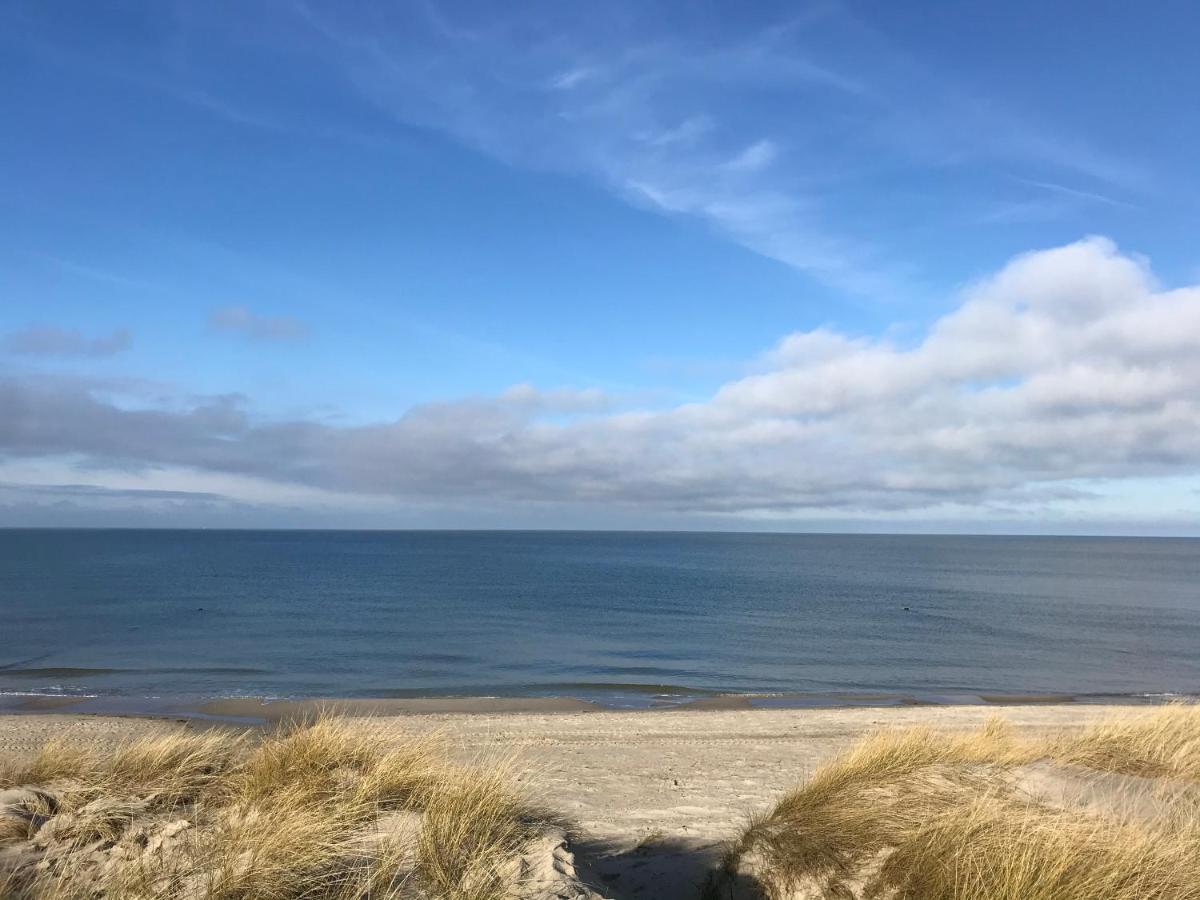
(828, 265)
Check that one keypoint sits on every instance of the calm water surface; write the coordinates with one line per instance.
(609, 615)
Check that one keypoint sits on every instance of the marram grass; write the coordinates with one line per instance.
(331, 810)
(918, 814)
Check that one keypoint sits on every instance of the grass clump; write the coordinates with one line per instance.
(168, 769)
(58, 759)
(994, 848)
(470, 836)
(924, 815)
(852, 809)
(1160, 743)
(327, 810)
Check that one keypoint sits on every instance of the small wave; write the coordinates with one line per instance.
(624, 688)
(25, 662)
(85, 671)
(60, 672)
(439, 658)
(584, 689)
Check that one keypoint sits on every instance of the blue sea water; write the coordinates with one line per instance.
(593, 614)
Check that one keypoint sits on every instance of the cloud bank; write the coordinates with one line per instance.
(1069, 365)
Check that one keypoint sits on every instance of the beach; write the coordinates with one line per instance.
(652, 796)
(611, 451)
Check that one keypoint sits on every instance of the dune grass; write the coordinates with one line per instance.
(329, 810)
(996, 848)
(470, 834)
(1160, 743)
(923, 815)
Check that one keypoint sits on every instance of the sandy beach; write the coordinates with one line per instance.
(652, 794)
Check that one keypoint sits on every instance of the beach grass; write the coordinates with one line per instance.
(327, 810)
(918, 814)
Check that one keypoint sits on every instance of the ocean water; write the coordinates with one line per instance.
(609, 616)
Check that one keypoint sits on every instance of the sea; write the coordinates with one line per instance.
(625, 619)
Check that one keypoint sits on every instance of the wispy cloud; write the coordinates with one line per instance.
(188, 84)
(240, 320)
(785, 137)
(49, 340)
(755, 157)
(687, 132)
(95, 273)
(1020, 212)
(99, 492)
(1049, 201)
(1075, 193)
(644, 115)
(759, 133)
(224, 109)
(564, 81)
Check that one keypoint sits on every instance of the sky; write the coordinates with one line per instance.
(831, 266)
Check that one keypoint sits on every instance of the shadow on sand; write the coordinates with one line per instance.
(660, 868)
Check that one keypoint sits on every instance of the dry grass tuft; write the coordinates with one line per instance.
(57, 760)
(471, 835)
(182, 766)
(293, 846)
(922, 815)
(316, 758)
(1161, 743)
(408, 775)
(14, 830)
(859, 805)
(316, 811)
(171, 769)
(994, 848)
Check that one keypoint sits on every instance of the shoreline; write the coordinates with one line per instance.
(258, 711)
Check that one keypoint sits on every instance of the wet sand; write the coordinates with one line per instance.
(653, 793)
